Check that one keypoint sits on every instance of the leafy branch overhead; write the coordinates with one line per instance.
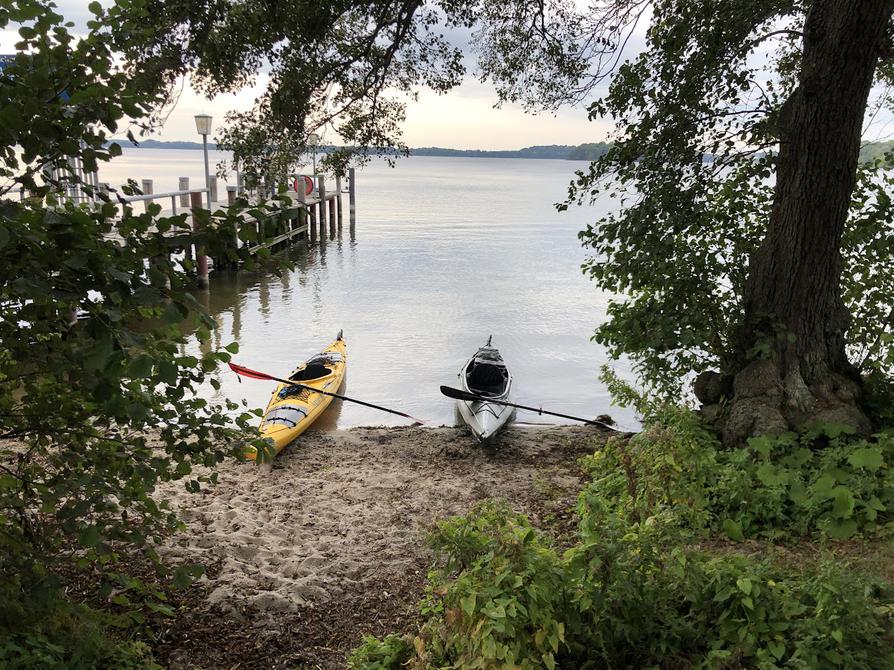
(99, 364)
(351, 67)
(340, 65)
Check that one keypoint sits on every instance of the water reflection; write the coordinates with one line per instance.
(438, 266)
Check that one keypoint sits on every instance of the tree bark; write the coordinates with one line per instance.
(795, 369)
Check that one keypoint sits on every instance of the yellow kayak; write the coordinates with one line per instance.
(292, 409)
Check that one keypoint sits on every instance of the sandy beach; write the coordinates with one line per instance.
(307, 554)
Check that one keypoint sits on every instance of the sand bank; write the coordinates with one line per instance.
(328, 541)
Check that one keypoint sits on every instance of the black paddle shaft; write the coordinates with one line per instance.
(457, 394)
(291, 382)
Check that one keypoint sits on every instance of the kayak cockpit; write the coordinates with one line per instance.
(317, 367)
(486, 374)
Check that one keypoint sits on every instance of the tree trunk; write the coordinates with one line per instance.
(795, 320)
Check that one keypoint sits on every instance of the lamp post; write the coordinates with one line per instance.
(314, 140)
(203, 126)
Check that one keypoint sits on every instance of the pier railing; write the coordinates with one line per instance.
(290, 216)
(173, 195)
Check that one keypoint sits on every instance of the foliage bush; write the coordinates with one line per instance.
(375, 654)
(47, 631)
(633, 595)
(659, 576)
(98, 401)
(823, 481)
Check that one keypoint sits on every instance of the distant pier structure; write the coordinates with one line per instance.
(311, 212)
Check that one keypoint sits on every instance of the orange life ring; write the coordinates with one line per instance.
(308, 184)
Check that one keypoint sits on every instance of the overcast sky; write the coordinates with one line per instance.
(465, 118)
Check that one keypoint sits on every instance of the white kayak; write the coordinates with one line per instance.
(485, 375)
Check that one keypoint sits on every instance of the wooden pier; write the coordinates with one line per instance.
(295, 215)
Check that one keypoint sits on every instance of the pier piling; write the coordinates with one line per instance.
(147, 190)
(184, 186)
(332, 214)
(321, 191)
(338, 198)
(352, 197)
(195, 200)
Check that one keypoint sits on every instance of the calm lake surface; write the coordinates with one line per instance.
(446, 252)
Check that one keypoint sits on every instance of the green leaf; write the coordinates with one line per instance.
(842, 502)
(777, 648)
(183, 576)
(100, 356)
(841, 529)
(137, 411)
(823, 488)
(733, 530)
(89, 536)
(168, 373)
(744, 585)
(141, 367)
(467, 604)
(770, 474)
(869, 458)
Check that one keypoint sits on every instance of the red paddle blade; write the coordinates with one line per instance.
(247, 372)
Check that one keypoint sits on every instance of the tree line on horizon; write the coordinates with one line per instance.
(588, 151)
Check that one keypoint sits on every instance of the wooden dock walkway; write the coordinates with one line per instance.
(291, 216)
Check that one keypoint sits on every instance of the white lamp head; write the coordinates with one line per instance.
(203, 124)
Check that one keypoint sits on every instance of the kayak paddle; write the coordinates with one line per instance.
(457, 394)
(254, 374)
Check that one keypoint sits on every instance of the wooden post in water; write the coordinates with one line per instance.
(312, 221)
(352, 196)
(212, 180)
(147, 190)
(338, 197)
(195, 201)
(231, 200)
(184, 186)
(321, 191)
(332, 225)
(302, 203)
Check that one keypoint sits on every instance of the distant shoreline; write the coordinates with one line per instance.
(583, 152)
(580, 152)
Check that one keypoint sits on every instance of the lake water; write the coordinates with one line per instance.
(446, 252)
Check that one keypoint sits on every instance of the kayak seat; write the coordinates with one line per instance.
(486, 379)
(312, 371)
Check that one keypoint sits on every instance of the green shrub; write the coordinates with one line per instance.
(823, 481)
(41, 629)
(374, 654)
(631, 595)
(504, 609)
(649, 584)
(651, 599)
